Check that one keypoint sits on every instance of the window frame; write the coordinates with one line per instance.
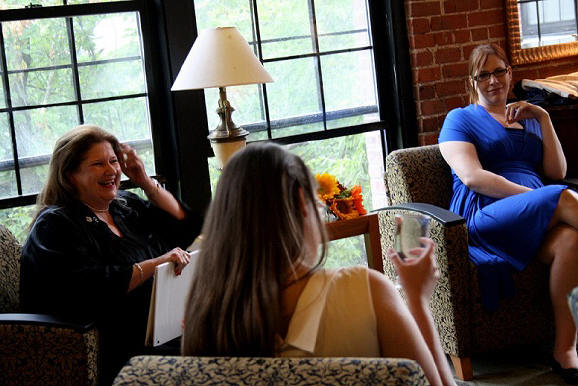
(393, 82)
(163, 141)
(179, 121)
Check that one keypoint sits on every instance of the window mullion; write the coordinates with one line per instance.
(313, 28)
(257, 32)
(74, 63)
(8, 100)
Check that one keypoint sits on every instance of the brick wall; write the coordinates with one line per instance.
(442, 33)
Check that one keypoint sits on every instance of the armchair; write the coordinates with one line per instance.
(34, 348)
(161, 370)
(419, 180)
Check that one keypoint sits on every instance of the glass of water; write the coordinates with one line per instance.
(409, 228)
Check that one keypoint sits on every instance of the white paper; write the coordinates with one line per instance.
(168, 298)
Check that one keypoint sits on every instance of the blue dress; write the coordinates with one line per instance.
(504, 234)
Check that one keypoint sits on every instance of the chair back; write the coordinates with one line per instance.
(167, 370)
(418, 174)
(10, 252)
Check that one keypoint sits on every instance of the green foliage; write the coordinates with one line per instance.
(17, 220)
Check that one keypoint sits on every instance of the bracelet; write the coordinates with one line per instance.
(140, 271)
(156, 190)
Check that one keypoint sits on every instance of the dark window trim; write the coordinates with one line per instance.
(154, 54)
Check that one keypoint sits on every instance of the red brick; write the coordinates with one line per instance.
(432, 107)
(497, 31)
(422, 58)
(428, 138)
(432, 123)
(479, 34)
(439, 23)
(422, 41)
(419, 25)
(467, 50)
(443, 38)
(426, 92)
(488, 4)
(454, 102)
(448, 55)
(461, 36)
(451, 6)
(495, 16)
(428, 74)
(455, 70)
(454, 87)
(426, 8)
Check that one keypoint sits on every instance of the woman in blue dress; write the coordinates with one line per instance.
(498, 153)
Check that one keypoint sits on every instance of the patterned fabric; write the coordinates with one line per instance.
(39, 354)
(421, 175)
(45, 355)
(161, 370)
(418, 174)
(10, 251)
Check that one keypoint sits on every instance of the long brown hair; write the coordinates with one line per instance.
(478, 58)
(69, 151)
(253, 237)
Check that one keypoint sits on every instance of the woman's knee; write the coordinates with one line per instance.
(560, 242)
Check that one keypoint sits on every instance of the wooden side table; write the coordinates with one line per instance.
(366, 225)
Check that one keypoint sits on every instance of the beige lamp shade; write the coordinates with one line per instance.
(220, 57)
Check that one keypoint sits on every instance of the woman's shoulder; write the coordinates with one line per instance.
(468, 112)
(345, 276)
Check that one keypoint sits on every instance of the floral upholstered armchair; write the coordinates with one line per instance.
(419, 180)
(39, 349)
(167, 370)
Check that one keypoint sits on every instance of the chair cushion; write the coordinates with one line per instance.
(10, 251)
(40, 355)
(162, 370)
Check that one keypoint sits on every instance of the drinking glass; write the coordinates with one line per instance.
(409, 228)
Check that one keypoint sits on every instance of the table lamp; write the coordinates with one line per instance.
(221, 57)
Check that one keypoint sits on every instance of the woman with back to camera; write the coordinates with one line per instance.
(93, 248)
(498, 152)
(259, 283)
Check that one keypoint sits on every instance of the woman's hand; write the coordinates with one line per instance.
(418, 275)
(177, 256)
(133, 167)
(523, 110)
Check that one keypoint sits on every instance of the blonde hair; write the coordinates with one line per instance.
(478, 58)
(68, 153)
(253, 239)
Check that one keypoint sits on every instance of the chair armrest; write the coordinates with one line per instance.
(47, 320)
(445, 217)
(452, 299)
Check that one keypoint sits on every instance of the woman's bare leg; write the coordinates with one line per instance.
(560, 250)
(567, 210)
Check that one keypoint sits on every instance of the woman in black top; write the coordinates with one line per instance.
(93, 249)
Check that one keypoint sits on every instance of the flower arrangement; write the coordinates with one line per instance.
(340, 201)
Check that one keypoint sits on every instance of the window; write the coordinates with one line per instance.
(324, 104)
(547, 22)
(320, 55)
(61, 67)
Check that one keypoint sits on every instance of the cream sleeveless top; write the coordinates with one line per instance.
(334, 317)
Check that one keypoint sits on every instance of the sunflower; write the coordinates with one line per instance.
(327, 186)
(344, 208)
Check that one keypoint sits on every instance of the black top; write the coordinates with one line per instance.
(73, 265)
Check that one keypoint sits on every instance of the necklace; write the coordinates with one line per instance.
(94, 209)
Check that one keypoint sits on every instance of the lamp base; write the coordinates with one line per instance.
(225, 150)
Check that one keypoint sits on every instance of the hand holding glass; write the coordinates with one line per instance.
(409, 229)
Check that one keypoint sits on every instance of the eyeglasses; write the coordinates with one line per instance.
(485, 76)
